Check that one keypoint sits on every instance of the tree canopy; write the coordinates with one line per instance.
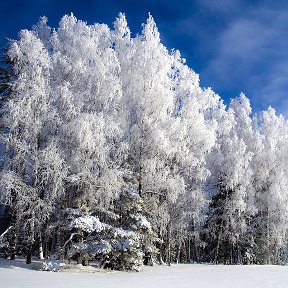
(114, 152)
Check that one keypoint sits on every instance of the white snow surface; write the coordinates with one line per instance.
(14, 274)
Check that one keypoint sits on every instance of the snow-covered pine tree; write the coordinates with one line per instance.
(146, 83)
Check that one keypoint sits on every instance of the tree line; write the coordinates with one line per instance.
(114, 152)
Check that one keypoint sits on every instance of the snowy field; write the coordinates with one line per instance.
(14, 274)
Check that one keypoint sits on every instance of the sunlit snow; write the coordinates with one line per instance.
(17, 274)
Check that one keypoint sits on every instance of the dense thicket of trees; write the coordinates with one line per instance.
(113, 151)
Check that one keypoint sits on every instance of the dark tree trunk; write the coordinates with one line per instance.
(168, 253)
(140, 187)
(12, 245)
(29, 255)
(46, 245)
(188, 250)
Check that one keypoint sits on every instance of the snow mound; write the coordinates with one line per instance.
(53, 266)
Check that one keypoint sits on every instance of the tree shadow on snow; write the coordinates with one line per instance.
(19, 263)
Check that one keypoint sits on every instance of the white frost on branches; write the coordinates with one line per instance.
(86, 223)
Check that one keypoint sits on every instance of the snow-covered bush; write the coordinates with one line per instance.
(53, 266)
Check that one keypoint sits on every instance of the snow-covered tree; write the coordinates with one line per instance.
(231, 205)
(34, 154)
(270, 182)
(114, 152)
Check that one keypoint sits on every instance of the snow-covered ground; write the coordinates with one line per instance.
(14, 274)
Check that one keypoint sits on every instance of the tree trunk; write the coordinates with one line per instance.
(29, 255)
(268, 258)
(178, 253)
(57, 240)
(31, 242)
(161, 261)
(40, 247)
(12, 245)
(189, 250)
(140, 187)
(218, 245)
(79, 258)
(46, 245)
(168, 254)
(13, 236)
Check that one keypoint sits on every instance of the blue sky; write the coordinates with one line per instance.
(235, 45)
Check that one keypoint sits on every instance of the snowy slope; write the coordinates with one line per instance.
(14, 274)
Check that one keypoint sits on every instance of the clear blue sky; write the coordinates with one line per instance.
(235, 45)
